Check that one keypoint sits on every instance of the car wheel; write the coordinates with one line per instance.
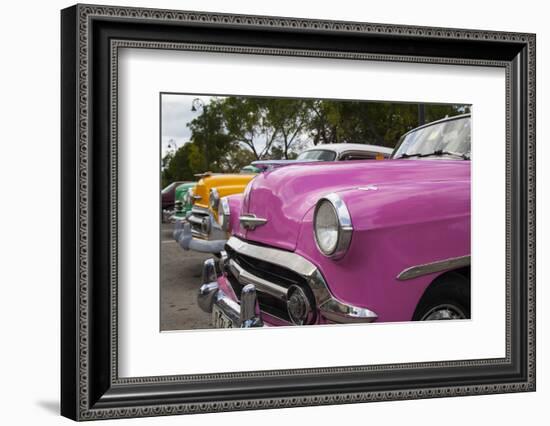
(447, 298)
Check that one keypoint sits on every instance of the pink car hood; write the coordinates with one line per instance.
(283, 196)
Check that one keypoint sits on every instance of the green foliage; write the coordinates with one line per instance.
(183, 165)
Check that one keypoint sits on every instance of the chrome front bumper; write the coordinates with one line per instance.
(167, 215)
(178, 217)
(329, 308)
(184, 237)
(204, 225)
(190, 236)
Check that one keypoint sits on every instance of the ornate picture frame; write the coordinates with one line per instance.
(91, 387)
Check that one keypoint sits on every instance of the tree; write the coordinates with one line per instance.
(320, 127)
(378, 123)
(209, 137)
(233, 131)
(183, 164)
(247, 124)
(288, 119)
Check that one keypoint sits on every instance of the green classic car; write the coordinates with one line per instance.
(183, 203)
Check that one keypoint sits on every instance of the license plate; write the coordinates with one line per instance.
(219, 319)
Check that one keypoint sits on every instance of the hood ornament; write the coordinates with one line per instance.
(368, 188)
(251, 222)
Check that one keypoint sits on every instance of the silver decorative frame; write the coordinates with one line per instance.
(87, 407)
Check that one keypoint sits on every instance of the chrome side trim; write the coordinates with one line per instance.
(262, 285)
(430, 268)
(338, 312)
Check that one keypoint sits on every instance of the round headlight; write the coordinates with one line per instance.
(214, 199)
(189, 197)
(224, 214)
(332, 226)
(326, 227)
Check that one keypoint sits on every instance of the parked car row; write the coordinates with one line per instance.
(306, 242)
(199, 222)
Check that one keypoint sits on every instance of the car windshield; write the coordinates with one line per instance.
(318, 155)
(249, 169)
(168, 188)
(447, 139)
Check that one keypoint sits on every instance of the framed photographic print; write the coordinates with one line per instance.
(263, 212)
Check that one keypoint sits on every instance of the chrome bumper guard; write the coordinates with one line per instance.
(244, 315)
(332, 309)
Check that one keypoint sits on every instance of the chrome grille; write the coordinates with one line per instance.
(271, 281)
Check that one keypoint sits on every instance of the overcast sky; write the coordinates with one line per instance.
(176, 114)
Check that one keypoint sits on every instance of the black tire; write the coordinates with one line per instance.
(447, 295)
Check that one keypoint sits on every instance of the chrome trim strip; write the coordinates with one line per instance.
(430, 268)
(283, 258)
(340, 313)
(264, 286)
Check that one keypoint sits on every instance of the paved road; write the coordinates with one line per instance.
(180, 279)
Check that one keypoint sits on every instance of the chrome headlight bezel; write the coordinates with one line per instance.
(344, 226)
(214, 199)
(224, 214)
(189, 197)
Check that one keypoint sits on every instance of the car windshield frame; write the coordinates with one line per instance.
(320, 150)
(435, 140)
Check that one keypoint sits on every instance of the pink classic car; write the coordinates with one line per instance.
(350, 242)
